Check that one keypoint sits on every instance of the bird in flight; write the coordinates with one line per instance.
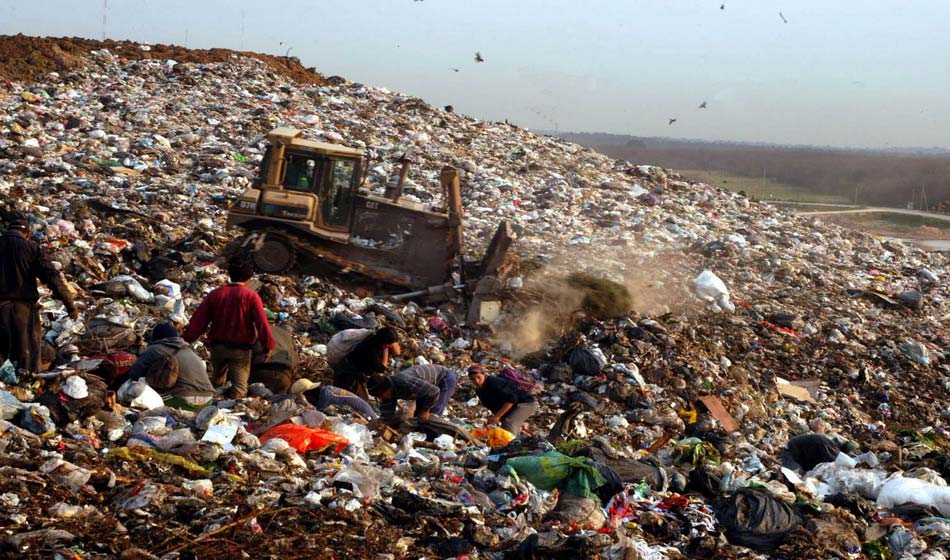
(478, 57)
(672, 121)
(783, 17)
(702, 105)
(722, 6)
(455, 69)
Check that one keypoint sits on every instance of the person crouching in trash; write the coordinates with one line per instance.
(509, 405)
(429, 387)
(370, 356)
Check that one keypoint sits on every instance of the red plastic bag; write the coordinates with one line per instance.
(305, 439)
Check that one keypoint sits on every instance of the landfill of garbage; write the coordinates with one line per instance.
(778, 389)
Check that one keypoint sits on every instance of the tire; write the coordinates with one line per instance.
(275, 255)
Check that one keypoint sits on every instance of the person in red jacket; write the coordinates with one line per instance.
(237, 319)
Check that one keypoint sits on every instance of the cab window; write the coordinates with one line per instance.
(302, 173)
(339, 196)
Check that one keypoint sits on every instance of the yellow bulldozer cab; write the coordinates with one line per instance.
(308, 180)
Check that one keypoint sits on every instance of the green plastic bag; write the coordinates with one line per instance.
(577, 476)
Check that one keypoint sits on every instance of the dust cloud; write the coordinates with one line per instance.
(657, 283)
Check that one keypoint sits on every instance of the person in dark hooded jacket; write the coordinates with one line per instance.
(193, 387)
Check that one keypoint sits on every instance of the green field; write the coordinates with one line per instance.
(900, 220)
(799, 207)
(759, 189)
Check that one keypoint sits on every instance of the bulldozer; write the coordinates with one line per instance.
(309, 201)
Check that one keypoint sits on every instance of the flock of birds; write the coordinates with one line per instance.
(479, 58)
(703, 105)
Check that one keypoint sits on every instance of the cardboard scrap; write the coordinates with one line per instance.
(719, 412)
(804, 391)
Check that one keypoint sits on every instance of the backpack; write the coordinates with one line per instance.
(524, 382)
(162, 374)
(343, 342)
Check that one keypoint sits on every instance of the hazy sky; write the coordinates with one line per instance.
(870, 73)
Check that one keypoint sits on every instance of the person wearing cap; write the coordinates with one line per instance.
(326, 396)
(193, 387)
(509, 405)
(237, 321)
(22, 263)
(429, 386)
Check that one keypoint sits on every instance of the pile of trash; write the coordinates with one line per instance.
(779, 388)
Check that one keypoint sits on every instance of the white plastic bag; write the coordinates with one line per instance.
(711, 288)
(445, 442)
(134, 288)
(366, 480)
(897, 491)
(137, 394)
(842, 479)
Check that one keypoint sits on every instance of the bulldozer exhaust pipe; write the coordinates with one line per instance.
(403, 173)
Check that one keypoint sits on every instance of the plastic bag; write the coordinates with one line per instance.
(168, 299)
(897, 491)
(757, 520)
(137, 394)
(133, 288)
(584, 362)
(179, 442)
(75, 387)
(804, 452)
(35, 419)
(711, 288)
(358, 435)
(9, 405)
(105, 336)
(305, 439)
(840, 479)
(577, 476)
(365, 480)
(495, 437)
(445, 442)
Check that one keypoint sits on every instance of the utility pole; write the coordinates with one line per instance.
(105, 11)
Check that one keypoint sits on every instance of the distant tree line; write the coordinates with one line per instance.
(864, 177)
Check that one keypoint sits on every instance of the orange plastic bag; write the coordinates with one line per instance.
(496, 437)
(305, 439)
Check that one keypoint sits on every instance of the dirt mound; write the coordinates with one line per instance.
(930, 232)
(23, 58)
